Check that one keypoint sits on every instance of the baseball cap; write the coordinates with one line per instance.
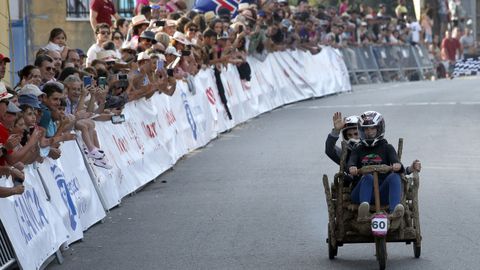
(30, 89)
(3, 92)
(30, 100)
(171, 50)
(4, 58)
(12, 108)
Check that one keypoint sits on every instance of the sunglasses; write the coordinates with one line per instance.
(147, 40)
(49, 68)
(105, 32)
(193, 29)
(117, 37)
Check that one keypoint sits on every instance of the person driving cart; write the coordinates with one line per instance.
(374, 149)
(347, 128)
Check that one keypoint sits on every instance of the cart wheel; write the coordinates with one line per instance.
(332, 250)
(417, 250)
(381, 249)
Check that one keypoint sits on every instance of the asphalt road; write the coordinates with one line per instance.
(254, 199)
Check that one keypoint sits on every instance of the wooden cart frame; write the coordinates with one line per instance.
(343, 227)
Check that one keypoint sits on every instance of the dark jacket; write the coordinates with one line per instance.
(381, 153)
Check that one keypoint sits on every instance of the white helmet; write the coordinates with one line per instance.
(351, 122)
(371, 119)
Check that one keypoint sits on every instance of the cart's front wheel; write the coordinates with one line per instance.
(381, 250)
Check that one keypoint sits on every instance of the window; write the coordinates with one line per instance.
(81, 8)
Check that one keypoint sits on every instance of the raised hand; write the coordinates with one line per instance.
(338, 121)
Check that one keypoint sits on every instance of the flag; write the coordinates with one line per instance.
(214, 5)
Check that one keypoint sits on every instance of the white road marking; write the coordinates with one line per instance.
(449, 103)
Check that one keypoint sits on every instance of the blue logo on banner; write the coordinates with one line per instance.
(191, 120)
(214, 5)
(65, 192)
(31, 217)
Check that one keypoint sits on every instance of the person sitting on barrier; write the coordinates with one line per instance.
(75, 108)
(375, 150)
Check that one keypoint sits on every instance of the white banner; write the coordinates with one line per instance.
(79, 183)
(32, 223)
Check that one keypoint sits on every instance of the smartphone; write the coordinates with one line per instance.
(87, 81)
(122, 77)
(186, 53)
(170, 72)
(102, 81)
(160, 64)
(160, 23)
(118, 119)
(240, 29)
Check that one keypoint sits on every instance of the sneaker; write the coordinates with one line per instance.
(96, 154)
(102, 163)
(363, 211)
(398, 211)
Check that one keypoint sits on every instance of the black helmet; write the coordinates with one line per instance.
(351, 122)
(371, 119)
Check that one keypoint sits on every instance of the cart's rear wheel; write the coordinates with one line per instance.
(381, 250)
(332, 249)
(417, 250)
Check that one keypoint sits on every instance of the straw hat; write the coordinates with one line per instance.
(209, 16)
(180, 37)
(139, 19)
(143, 56)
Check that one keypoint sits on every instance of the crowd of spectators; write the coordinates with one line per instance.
(68, 90)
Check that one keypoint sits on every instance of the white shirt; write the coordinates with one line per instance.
(415, 28)
(92, 53)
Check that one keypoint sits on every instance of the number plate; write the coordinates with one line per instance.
(379, 225)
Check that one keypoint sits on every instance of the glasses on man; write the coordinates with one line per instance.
(193, 30)
(117, 37)
(104, 32)
(49, 68)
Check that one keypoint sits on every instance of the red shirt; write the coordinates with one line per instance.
(4, 134)
(451, 46)
(105, 10)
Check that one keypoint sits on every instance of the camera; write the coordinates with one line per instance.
(118, 119)
(170, 72)
(186, 53)
(160, 23)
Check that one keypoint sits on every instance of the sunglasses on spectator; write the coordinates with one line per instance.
(117, 37)
(147, 40)
(49, 68)
(104, 32)
(193, 29)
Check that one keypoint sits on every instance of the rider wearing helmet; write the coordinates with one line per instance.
(375, 150)
(348, 128)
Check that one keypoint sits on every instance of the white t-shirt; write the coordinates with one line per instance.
(416, 29)
(92, 53)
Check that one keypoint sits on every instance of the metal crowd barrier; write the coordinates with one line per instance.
(7, 255)
(382, 63)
